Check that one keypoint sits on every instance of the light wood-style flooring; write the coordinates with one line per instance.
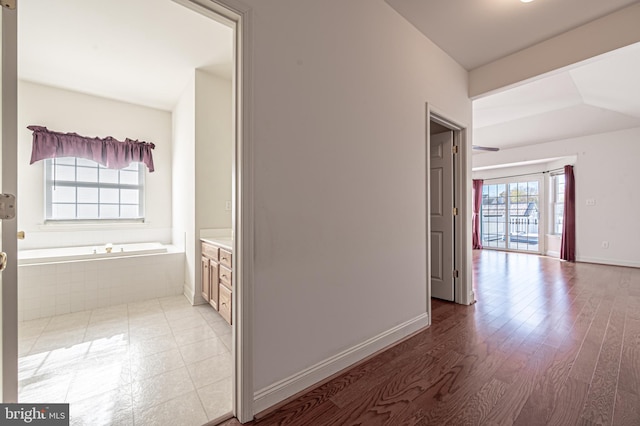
(547, 343)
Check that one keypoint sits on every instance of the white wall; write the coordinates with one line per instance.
(202, 161)
(67, 111)
(183, 183)
(606, 170)
(339, 171)
(214, 150)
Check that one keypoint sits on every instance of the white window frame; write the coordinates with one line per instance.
(507, 181)
(51, 182)
(557, 199)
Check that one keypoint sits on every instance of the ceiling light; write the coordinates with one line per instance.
(526, 1)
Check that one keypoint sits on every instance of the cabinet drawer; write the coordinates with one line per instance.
(210, 251)
(225, 303)
(225, 276)
(225, 258)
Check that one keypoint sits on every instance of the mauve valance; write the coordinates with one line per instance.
(109, 152)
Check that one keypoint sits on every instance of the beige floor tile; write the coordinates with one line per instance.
(58, 339)
(29, 365)
(25, 345)
(106, 409)
(174, 302)
(211, 370)
(49, 387)
(152, 365)
(98, 376)
(113, 364)
(217, 398)
(148, 331)
(203, 349)
(161, 388)
(110, 313)
(186, 323)
(192, 335)
(220, 326)
(143, 347)
(109, 328)
(144, 308)
(64, 357)
(185, 410)
(32, 328)
(226, 339)
(68, 321)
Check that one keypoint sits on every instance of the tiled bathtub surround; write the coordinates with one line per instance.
(143, 363)
(65, 287)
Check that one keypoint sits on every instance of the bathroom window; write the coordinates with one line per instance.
(79, 189)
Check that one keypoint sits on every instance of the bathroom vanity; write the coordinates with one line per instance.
(217, 274)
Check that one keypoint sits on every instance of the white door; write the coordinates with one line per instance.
(441, 152)
(8, 185)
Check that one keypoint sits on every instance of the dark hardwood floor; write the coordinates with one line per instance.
(547, 343)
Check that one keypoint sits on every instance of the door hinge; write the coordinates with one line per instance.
(455, 273)
(455, 211)
(7, 206)
(454, 149)
(9, 4)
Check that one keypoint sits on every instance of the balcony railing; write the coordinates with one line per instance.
(520, 229)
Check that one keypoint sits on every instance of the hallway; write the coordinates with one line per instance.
(547, 342)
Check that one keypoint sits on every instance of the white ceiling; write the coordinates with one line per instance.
(138, 51)
(599, 96)
(476, 32)
(602, 95)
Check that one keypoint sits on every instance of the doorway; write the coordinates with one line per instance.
(9, 345)
(449, 253)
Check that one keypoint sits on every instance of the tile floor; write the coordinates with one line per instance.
(156, 362)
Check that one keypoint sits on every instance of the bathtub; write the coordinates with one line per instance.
(64, 280)
(69, 254)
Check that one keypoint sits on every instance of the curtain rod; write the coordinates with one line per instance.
(526, 174)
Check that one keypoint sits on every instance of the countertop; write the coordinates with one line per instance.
(225, 243)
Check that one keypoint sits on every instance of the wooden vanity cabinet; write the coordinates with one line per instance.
(210, 274)
(217, 278)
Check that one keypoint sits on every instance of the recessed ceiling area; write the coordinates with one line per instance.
(476, 32)
(142, 51)
(598, 96)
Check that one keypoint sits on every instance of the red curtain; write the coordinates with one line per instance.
(109, 152)
(568, 246)
(477, 205)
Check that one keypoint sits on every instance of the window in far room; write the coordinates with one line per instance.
(80, 189)
(557, 202)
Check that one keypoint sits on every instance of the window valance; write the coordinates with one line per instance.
(109, 152)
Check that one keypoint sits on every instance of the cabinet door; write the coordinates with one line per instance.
(206, 279)
(225, 303)
(213, 284)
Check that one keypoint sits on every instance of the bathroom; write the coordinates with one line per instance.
(127, 299)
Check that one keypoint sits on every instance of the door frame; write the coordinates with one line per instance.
(9, 279)
(239, 17)
(463, 288)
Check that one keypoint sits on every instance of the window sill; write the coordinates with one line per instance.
(64, 225)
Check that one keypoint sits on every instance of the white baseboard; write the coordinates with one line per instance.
(614, 262)
(553, 254)
(188, 293)
(283, 389)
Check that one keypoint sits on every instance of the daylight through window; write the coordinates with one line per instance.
(79, 189)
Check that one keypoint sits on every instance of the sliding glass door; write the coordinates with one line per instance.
(511, 215)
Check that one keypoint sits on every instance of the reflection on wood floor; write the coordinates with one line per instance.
(547, 342)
